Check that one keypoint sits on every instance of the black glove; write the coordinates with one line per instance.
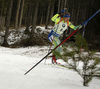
(61, 13)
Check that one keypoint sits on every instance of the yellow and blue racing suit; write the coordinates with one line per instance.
(59, 28)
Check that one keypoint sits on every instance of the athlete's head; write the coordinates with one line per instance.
(66, 16)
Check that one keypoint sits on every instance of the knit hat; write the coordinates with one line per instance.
(66, 15)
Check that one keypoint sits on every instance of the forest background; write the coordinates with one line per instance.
(25, 13)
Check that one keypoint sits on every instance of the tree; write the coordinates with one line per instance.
(59, 3)
(5, 43)
(28, 17)
(52, 11)
(3, 12)
(34, 23)
(17, 14)
(47, 17)
(21, 13)
(2, 23)
(41, 21)
(90, 67)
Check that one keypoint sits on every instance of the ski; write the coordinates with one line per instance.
(60, 65)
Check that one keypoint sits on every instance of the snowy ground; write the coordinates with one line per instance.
(15, 62)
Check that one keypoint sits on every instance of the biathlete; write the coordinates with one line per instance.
(61, 24)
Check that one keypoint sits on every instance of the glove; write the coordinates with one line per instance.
(63, 11)
(77, 27)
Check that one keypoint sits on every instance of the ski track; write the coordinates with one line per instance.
(15, 62)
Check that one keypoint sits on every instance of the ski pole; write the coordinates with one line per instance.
(62, 42)
(38, 62)
(52, 50)
(82, 37)
(85, 23)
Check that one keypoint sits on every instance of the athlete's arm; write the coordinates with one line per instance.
(56, 18)
(71, 25)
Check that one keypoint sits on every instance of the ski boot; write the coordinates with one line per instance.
(54, 60)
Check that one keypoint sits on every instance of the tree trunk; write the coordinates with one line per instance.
(21, 14)
(59, 5)
(41, 21)
(28, 22)
(28, 18)
(65, 5)
(31, 19)
(2, 23)
(47, 18)
(17, 14)
(34, 23)
(62, 4)
(5, 43)
(77, 14)
(90, 31)
(52, 12)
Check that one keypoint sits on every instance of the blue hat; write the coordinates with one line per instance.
(66, 15)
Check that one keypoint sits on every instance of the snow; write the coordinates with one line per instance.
(15, 62)
(14, 36)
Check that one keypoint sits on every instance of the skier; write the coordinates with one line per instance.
(61, 24)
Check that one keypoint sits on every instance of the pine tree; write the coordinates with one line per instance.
(90, 67)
